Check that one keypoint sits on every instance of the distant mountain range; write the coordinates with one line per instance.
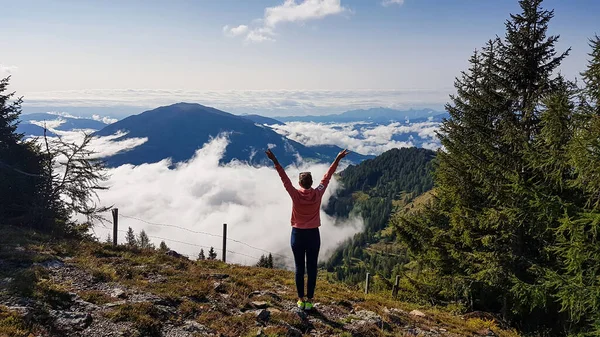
(177, 131)
(27, 127)
(373, 115)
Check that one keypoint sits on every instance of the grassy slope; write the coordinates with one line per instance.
(194, 290)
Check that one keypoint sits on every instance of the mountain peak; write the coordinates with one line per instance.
(187, 106)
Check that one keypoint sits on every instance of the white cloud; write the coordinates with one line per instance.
(260, 35)
(50, 125)
(7, 69)
(289, 11)
(201, 195)
(62, 114)
(102, 146)
(387, 3)
(104, 119)
(361, 137)
(263, 102)
(235, 31)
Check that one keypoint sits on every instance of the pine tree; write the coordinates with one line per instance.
(262, 261)
(25, 184)
(9, 114)
(212, 255)
(108, 239)
(163, 246)
(130, 238)
(201, 255)
(577, 249)
(486, 236)
(528, 62)
(591, 78)
(270, 261)
(144, 241)
(587, 117)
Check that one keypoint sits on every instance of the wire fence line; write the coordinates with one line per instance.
(193, 244)
(199, 233)
(167, 225)
(203, 233)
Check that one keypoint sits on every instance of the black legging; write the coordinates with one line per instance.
(306, 243)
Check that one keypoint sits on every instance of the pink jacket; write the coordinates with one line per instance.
(306, 202)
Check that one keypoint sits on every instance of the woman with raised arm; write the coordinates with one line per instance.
(306, 219)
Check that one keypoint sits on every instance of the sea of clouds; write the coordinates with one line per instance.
(121, 102)
(201, 195)
(364, 138)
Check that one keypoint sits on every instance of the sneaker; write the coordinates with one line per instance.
(308, 305)
(301, 305)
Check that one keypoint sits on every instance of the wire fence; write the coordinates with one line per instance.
(203, 233)
(199, 233)
(192, 244)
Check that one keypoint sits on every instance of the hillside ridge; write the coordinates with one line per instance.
(84, 288)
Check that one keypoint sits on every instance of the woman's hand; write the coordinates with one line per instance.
(342, 154)
(271, 156)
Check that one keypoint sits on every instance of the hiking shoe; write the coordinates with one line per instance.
(308, 305)
(301, 305)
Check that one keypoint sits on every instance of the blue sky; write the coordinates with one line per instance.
(348, 45)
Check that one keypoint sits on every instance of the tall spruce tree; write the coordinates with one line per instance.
(485, 239)
(130, 238)
(201, 255)
(575, 283)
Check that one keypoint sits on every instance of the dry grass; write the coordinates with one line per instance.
(95, 297)
(198, 295)
(11, 324)
(146, 318)
(228, 325)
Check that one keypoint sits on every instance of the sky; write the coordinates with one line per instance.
(279, 57)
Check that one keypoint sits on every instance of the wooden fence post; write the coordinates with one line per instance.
(367, 283)
(224, 242)
(396, 285)
(115, 214)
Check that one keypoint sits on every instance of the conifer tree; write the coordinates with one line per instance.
(32, 192)
(270, 261)
(212, 254)
(262, 261)
(144, 241)
(163, 246)
(108, 238)
(575, 281)
(130, 238)
(24, 181)
(201, 254)
(483, 242)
